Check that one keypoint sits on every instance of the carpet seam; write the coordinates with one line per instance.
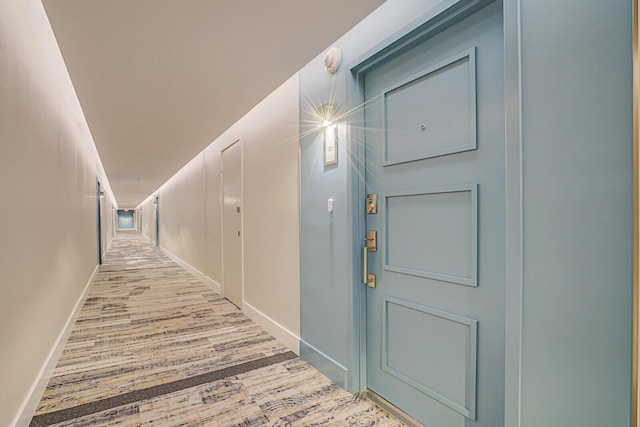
(90, 408)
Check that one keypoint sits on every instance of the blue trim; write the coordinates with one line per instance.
(355, 94)
(514, 217)
(325, 364)
(425, 26)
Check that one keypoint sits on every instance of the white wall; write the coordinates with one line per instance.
(48, 208)
(108, 230)
(190, 212)
(148, 219)
(181, 211)
(213, 212)
(271, 207)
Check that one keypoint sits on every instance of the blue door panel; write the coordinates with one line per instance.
(433, 113)
(434, 147)
(447, 215)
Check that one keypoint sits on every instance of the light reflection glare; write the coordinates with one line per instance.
(317, 117)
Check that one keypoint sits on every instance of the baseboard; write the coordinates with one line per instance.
(288, 338)
(30, 404)
(217, 288)
(109, 246)
(282, 334)
(335, 371)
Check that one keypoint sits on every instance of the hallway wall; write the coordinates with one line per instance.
(109, 219)
(328, 271)
(577, 162)
(182, 214)
(48, 209)
(148, 218)
(570, 248)
(191, 220)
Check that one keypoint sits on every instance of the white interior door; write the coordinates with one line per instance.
(232, 223)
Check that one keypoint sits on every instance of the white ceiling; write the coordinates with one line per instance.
(158, 80)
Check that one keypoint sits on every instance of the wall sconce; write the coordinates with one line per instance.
(326, 114)
(330, 143)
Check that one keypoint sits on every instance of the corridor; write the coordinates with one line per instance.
(153, 345)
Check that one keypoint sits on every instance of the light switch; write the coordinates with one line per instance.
(330, 205)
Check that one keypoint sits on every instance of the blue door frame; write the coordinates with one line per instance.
(99, 218)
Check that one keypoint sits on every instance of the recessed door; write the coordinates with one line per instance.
(99, 219)
(156, 222)
(435, 159)
(232, 223)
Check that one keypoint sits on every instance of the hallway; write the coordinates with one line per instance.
(153, 345)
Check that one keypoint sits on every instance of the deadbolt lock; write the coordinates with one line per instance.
(372, 203)
(372, 241)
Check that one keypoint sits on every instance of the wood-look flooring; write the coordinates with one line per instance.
(154, 346)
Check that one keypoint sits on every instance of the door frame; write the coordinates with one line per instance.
(635, 369)
(225, 147)
(99, 218)
(436, 20)
(156, 208)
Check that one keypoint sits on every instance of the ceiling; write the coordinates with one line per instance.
(159, 80)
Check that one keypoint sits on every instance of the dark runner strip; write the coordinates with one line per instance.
(120, 270)
(155, 391)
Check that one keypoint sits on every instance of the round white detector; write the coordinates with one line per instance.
(332, 60)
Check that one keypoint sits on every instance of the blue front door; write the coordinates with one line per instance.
(435, 159)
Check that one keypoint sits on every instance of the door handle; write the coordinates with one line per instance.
(366, 267)
(367, 279)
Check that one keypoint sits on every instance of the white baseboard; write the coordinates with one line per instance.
(30, 403)
(288, 338)
(281, 333)
(217, 288)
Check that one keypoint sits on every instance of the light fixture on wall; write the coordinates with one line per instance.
(332, 60)
(330, 143)
(326, 114)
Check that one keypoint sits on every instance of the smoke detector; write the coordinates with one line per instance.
(332, 60)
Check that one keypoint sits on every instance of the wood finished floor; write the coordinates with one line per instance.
(154, 346)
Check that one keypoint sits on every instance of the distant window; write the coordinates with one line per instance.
(126, 219)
